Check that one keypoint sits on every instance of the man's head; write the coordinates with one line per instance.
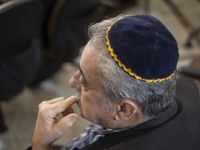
(127, 71)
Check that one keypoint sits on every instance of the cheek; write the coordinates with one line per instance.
(86, 102)
(89, 104)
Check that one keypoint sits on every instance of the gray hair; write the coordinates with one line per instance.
(152, 98)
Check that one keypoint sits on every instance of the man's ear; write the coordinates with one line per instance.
(125, 110)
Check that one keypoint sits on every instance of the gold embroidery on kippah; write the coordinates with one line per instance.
(111, 50)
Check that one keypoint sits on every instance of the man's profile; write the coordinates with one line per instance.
(126, 86)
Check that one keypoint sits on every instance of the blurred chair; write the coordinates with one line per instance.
(69, 19)
(194, 33)
(20, 50)
(64, 33)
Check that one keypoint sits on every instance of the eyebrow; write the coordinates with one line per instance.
(82, 73)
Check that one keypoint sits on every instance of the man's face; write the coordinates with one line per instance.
(86, 81)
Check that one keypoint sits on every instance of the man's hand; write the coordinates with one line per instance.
(48, 129)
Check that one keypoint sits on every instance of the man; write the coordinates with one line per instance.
(126, 86)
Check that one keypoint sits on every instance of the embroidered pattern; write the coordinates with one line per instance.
(128, 69)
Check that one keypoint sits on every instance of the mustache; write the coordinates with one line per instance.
(78, 96)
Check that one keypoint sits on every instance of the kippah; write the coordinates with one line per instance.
(143, 47)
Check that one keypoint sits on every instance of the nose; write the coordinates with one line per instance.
(74, 81)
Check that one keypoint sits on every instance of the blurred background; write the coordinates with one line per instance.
(40, 41)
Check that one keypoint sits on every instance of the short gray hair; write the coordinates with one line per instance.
(152, 98)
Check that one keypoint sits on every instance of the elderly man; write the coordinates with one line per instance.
(126, 86)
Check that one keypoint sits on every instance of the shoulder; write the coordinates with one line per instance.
(183, 83)
(186, 91)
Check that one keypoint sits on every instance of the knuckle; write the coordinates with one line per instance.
(42, 105)
(60, 103)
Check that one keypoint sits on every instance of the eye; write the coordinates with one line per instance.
(82, 83)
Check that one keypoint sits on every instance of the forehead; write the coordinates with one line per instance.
(88, 54)
(88, 57)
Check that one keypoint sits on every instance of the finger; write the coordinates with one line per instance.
(65, 123)
(69, 110)
(61, 106)
(56, 100)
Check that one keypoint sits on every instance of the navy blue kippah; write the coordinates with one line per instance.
(143, 47)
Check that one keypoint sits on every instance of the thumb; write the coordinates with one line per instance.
(65, 123)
